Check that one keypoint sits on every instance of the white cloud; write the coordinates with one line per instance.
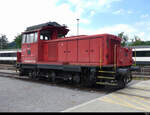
(114, 29)
(92, 13)
(120, 11)
(130, 30)
(145, 16)
(98, 5)
(16, 15)
(26, 13)
(130, 12)
(118, 28)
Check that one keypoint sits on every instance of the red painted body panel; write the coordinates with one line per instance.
(29, 53)
(62, 51)
(95, 50)
(18, 57)
(83, 51)
(52, 51)
(77, 50)
(72, 51)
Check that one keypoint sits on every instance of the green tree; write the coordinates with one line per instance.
(124, 38)
(3, 42)
(136, 41)
(18, 40)
(147, 43)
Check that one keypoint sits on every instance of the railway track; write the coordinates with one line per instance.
(58, 83)
(7, 67)
(144, 70)
(143, 75)
(9, 72)
(69, 85)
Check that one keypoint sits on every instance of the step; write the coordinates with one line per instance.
(107, 72)
(104, 77)
(106, 83)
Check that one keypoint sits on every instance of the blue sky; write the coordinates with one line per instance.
(113, 16)
(96, 16)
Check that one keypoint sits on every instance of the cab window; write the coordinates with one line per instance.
(31, 37)
(28, 38)
(23, 38)
(35, 37)
(45, 35)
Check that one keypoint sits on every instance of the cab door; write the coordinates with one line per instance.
(29, 48)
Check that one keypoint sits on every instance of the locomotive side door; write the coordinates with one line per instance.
(95, 50)
(62, 51)
(72, 51)
(83, 51)
(52, 51)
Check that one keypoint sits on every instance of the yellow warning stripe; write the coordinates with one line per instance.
(128, 104)
(135, 101)
(141, 98)
(109, 100)
(143, 88)
(134, 92)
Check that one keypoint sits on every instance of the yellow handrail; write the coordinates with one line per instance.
(135, 57)
(100, 58)
(115, 65)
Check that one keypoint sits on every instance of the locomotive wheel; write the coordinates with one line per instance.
(90, 80)
(33, 75)
(129, 77)
(30, 75)
(49, 77)
(20, 73)
(76, 79)
(53, 77)
(122, 82)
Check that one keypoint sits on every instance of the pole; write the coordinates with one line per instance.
(77, 26)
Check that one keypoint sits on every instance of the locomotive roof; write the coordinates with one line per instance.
(39, 26)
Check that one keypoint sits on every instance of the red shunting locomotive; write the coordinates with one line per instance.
(84, 59)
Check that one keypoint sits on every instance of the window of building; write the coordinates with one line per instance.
(141, 54)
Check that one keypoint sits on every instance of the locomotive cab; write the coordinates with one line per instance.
(34, 36)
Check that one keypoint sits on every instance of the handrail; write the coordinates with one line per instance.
(135, 57)
(100, 58)
(115, 57)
